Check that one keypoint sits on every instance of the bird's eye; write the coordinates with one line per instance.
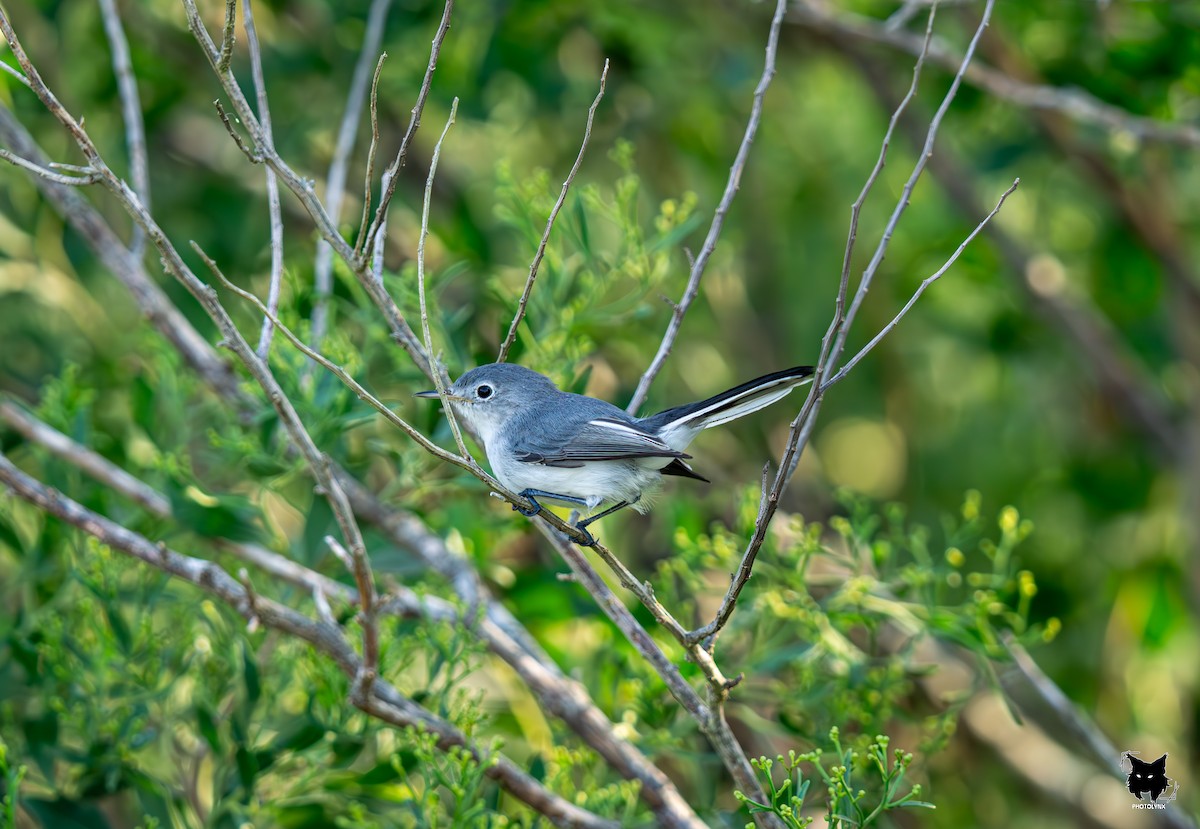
(483, 392)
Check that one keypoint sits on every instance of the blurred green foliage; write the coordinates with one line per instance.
(129, 700)
(848, 804)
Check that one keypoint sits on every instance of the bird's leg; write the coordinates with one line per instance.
(528, 495)
(582, 525)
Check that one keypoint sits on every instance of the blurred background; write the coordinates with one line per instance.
(1053, 369)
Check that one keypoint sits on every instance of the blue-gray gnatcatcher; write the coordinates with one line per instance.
(545, 443)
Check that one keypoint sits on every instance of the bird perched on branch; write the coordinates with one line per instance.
(547, 444)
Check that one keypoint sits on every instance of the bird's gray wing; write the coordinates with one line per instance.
(599, 439)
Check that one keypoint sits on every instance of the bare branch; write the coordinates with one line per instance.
(541, 249)
(273, 207)
(227, 37)
(853, 361)
(839, 314)
(335, 182)
(439, 374)
(131, 113)
(1073, 103)
(89, 461)
(718, 222)
(252, 155)
(383, 701)
(389, 191)
(340, 553)
(902, 203)
(380, 241)
(49, 175)
(12, 71)
(369, 176)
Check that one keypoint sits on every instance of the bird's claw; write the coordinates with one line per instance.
(527, 494)
(588, 539)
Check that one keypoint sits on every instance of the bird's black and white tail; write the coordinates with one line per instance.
(678, 426)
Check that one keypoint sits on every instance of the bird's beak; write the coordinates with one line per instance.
(433, 395)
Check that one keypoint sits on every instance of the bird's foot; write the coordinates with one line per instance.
(528, 496)
(588, 539)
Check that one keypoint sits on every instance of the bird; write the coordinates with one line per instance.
(547, 444)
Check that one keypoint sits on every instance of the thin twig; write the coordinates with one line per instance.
(377, 255)
(511, 337)
(718, 222)
(368, 239)
(439, 378)
(906, 193)
(369, 175)
(273, 288)
(227, 36)
(252, 155)
(340, 553)
(335, 181)
(13, 71)
(439, 375)
(273, 207)
(131, 113)
(89, 461)
(839, 313)
(49, 175)
(929, 280)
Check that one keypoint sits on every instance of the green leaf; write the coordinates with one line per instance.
(299, 735)
(380, 774)
(9, 537)
(248, 769)
(234, 517)
(250, 675)
(66, 814)
(207, 724)
(41, 733)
